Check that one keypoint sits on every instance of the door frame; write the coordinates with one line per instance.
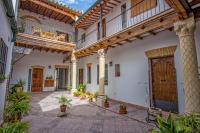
(40, 67)
(68, 74)
(160, 53)
(151, 80)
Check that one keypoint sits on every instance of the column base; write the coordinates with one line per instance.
(72, 91)
(101, 100)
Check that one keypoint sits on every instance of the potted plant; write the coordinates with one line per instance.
(19, 87)
(18, 105)
(90, 98)
(2, 78)
(122, 109)
(106, 103)
(81, 87)
(64, 103)
(82, 96)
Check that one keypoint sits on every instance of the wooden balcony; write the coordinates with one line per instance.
(43, 43)
(145, 21)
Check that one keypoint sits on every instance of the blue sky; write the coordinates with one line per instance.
(81, 5)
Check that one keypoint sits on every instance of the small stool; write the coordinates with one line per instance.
(152, 113)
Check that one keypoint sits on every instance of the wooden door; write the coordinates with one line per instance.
(37, 79)
(80, 76)
(164, 93)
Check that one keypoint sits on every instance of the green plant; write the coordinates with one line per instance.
(77, 93)
(183, 124)
(14, 111)
(19, 127)
(90, 98)
(2, 77)
(81, 87)
(18, 104)
(83, 95)
(64, 101)
(18, 97)
(69, 88)
(190, 121)
(49, 77)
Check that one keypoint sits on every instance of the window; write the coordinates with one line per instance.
(106, 74)
(140, 6)
(3, 57)
(124, 16)
(117, 70)
(89, 73)
(83, 38)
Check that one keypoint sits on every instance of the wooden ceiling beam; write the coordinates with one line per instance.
(45, 5)
(178, 7)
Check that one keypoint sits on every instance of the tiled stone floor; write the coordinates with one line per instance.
(82, 118)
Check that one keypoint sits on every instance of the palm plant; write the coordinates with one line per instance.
(14, 128)
(16, 110)
(18, 105)
(64, 103)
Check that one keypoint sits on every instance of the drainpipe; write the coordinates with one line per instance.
(11, 15)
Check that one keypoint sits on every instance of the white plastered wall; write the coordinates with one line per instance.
(133, 84)
(37, 58)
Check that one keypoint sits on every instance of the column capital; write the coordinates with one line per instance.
(101, 53)
(73, 57)
(185, 27)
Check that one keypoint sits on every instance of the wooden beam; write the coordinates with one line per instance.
(45, 5)
(178, 7)
(152, 33)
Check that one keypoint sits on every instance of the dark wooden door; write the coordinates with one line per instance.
(164, 93)
(80, 76)
(37, 80)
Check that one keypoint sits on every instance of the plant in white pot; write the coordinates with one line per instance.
(19, 87)
(64, 103)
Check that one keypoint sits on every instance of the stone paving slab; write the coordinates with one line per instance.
(82, 118)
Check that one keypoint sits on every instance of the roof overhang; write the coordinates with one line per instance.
(92, 15)
(50, 9)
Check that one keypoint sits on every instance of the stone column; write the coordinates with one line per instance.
(74, 71)
(185, 30)
(101, 97)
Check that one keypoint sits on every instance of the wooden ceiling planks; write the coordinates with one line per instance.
(49, 9)
(93, 14)
(131, 33)
(30, 41)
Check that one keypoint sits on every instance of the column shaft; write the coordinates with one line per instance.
(185, 30)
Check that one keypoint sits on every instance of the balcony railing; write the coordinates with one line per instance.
(126, 18)
(45, 31)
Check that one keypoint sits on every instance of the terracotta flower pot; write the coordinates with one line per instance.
(106, 104)
(122, 109)
(63, 108)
